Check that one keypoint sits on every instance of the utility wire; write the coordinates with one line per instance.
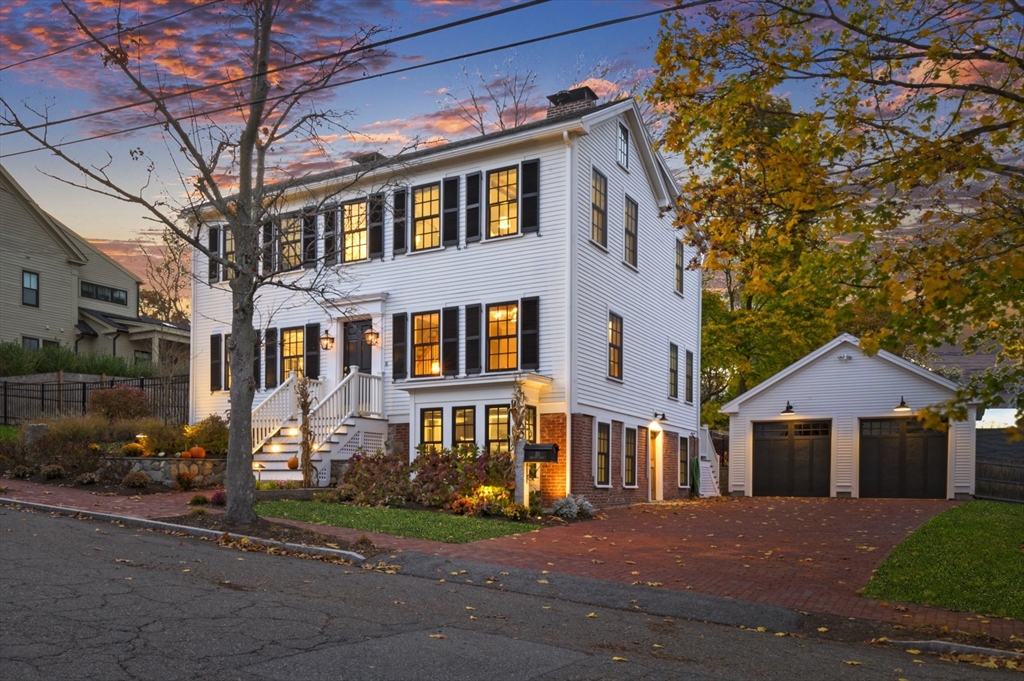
(520, 43)
(295, 65)
(109, 35)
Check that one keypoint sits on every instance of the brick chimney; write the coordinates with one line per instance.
(571, 101)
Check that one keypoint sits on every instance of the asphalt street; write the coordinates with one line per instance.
(86, 600)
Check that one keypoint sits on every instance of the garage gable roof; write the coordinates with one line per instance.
(733, 406)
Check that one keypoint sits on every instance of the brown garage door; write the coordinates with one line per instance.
(900, 459)
(792, 459)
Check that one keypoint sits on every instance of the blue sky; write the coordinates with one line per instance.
(386, 113)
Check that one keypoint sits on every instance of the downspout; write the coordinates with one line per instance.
(78, 338)
(113, 342)
(570, 275)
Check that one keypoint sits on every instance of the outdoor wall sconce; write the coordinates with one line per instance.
(902, 406)
(659, 417)
(788, 409)
(327, 340)
(372, 337)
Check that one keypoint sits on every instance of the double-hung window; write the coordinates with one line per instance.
(614, 345)
(603, 474)
(502, 336)
(629, 459)
(503, 202)
(292, 351)
(228, 272)
(630, 235)
(426, 344)
(426, 217)
(463, 426)
(353, 225)
(431, 429)
(684, 462)
(289, 243)
(689, 376)
(673, 370)
(599, 208)
(680, 266)
(497, 429)
(30, 288)
(331, 236)
(623, 146)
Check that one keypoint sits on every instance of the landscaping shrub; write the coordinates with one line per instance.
(197, 511)
(13, 453)
(464, 506)
(372, 479)
(133, 449)
(198, 500)
(89, 428)
(186, 481)
(53, 472)
(17, 361)
(535, 508)
(8, 433)
(22, 471)
(135, 480)
(565, 507)
(441, 475)
(88, 478)
(517, 512)
(219, 497)
(74, 456)
(584, 507)
(120, 402)
(211, 434)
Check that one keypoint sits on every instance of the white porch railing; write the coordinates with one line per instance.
(356, 395)
(273, 412)
(370, 396)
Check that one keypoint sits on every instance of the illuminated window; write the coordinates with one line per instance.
(289, 243)
(502, 336)
(426, 220)
(353, 223)
(673, 370)
(426, 344)
(599, 208)
(497, 429)
(631, 231)
(431, 427)
(684, 462)
(614, 345)
(629, 459)
(292, 348)
(464, 426)
(503, 202)
(604, 454)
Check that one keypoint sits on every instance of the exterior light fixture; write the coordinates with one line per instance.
(659, 417)
(371, 336)
(788, 409)
(258, 467)
(140, 436)
(327, 340)
(902, 406)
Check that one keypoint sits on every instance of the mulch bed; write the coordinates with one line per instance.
(102, 488)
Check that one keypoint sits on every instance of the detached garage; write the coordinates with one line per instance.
(841, 423)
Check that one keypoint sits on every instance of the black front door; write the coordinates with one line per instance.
(357, 351)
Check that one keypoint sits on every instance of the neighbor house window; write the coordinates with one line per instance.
(599, 208)
(353, 225)
(604, 454)
(29, 288)
(426, 344)
(431, 422)
(292, 351)
(104, 293)
(689, 376)
(530, 424)
(426, 217)
(503, 202)
(673, 370)
(629, 463)
(623, 146)
(463, 426)
(684, 462)
(497, 429)
(630, 236)
(229, 254)
(614, 345)
(680, 266)
(289, 243)
(502, 336)
(29, 343)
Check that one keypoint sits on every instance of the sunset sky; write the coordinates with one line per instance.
(201, 45)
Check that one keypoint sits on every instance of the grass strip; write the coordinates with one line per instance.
(970, 557)
(402, 522)
(8, 433)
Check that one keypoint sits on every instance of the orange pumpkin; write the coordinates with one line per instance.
(293, 463)
(186, 455)
(198, 452)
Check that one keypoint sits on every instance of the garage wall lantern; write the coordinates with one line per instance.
(788, 409)
(902, 406)
(659, 417)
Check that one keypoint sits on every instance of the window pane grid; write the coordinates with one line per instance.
(431, 428)
(426, 206)
(290, 244)
(426, 343)
(29, 289)
(680, 265)
(631, 230)
(630, 458)
(614, 346)
(502, 202)
(603, 454)
(292, 349)
(684, 462)
(331, 237)
(599, 205)
(623, 146)
(497, 429)
(673, 371)
(354, 239)
(502, 336)
(465, 426)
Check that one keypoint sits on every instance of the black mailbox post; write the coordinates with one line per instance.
(545, 453)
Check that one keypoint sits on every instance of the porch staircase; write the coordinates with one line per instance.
(343, 421)
(709, 465)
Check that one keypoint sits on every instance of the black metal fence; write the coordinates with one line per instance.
(998, 467)
(20, 402)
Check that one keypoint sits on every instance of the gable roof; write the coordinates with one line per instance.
(733, 406)
(50, 226)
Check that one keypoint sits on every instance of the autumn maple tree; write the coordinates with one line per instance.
(871, 151)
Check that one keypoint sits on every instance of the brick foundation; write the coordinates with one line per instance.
(398, 437)
(583, 452)
(670, 466)
(552, 475)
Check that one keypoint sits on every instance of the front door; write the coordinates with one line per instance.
(357, 351)
(654, 480)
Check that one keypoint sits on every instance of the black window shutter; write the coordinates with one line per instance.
(531, 196)
(309, 240)
(450, 216)
(256, 360)
(215, 362)
(450, 341)
(214, 246)
(312, 338)
(399, 339)
(473, 207)
(472, 339)
(400, 227)
(270, 356)
(268, 247)
(529, 334)
(376, 226)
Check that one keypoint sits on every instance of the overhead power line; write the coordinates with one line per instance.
(466, 55)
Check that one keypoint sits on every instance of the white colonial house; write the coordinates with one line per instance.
(541, 254)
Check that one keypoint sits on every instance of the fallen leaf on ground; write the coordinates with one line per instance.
(593, 614)
(852, 662)
(619, 659)
(438, 636)
(823, 629)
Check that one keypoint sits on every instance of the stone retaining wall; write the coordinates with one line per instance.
(165, 471)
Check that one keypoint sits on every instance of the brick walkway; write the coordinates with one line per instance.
(804, 554)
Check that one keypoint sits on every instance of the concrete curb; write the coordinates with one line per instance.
(945, 647)
(184, 529)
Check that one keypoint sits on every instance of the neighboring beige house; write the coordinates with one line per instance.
(57, 289)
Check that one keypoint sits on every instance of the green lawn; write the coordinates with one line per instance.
(453, 529)
(969, 558)
(8, 433)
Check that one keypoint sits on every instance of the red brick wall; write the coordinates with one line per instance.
(552, 475)
(670, 465)
(583, 452)
(398, 434)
